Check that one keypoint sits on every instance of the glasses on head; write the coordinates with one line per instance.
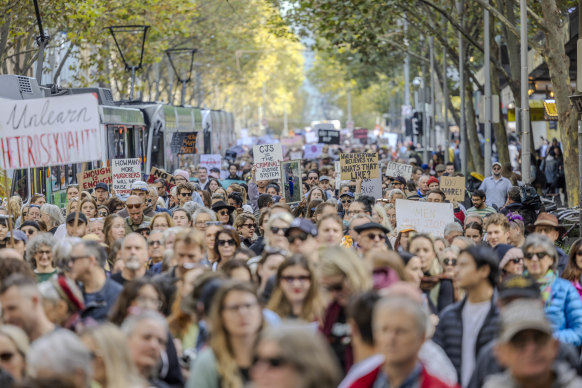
(130, 206)
(223, 243)
(250, 226)
(452, 262)
(292, 279)
(374, 236)
(344, 201)
(271, 362)
(301, 236)
(186, 194)
(539, 255)
(240, 307)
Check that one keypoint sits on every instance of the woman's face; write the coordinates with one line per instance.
(271, 191)
(449, 262)
(44, 258)
(181, 219)
(474, 235)
(89, 210)
(392, 217)
(117, 229)
(395, 197)
(423, 248)
(404, 240)
(45, 218)
(72, 192)
(147, 298)
(265, 375)
(276, 235)
(414, 269)
(269, 267)
(433, 186)
(74, 206)
(538, 264)
(201, 220)
(96, 227)
(241, 314)
(223, 216)
(3, 230)
(99, 373)
(212, 186)
(33, 214)
(338, 288)
(226, 246)
(247, 229)
(295, 283)
(12, 361)
(514, 266)
(211, 236)
(160, 223)
(316, 194)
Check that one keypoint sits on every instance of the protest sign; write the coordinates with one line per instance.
(453, 187)
(210, 161)
(295, 155)
(49, 131)
(267, 158)
(124, 173)
(312, 151)
(291, 177)
(425, 217)
(372, 187)
(183, 143)
(362, 135)
(359, 165)
(88, 179)
(328, 136)
(157, 173)
(292, 141)
(394, 169)
(311, 137)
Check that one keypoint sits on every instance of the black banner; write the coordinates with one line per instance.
(328, 136)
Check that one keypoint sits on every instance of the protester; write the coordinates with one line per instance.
(480, 207)
(14, 346)
(495, 187)
(548, 225)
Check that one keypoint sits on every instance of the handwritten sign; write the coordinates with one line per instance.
(312, 151)
(361, 135)
(158, 173)
(372, 187)
(267, 158)
(359, 165)
(210, 161)
(425, 217)
(183, 143)
(49, 131)
(394, 169)
(88, 179)
(453, 187)
(124, 173)
(329, 136)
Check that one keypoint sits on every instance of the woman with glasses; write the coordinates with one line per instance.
(52, 216)
(162, 221)
(14, 347)
(40, 256)
(33, 213)
(102, 211)
(226, 243)
(341, 273)
(201, 217)
(236, 320)
(562, 303)
(296, 293)
(511, 264)
(182, 218)
(223, 212)
(448, 260)
(30, 228)
(294, 356)
(275, 231)
(245, 225)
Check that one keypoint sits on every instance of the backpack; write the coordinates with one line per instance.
(531, 204)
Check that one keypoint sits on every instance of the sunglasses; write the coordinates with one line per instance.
(186, 194)
(271, 362)
(133, 206)
(452, 262)
(103, 214)
(252, 226)
(223, 212)
(6, 356)
(539, 255)
(373, 236)
(292, 279)
(225, 242)
(302, 236)
(312, 178)
(515, 261)
(346, 201)
(276, 229)
(28, 231)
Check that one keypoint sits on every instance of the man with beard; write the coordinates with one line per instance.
(134, 254)
(496, 187)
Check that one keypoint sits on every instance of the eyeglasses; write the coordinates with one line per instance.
(335, 287)
(301, 236)
(251, 226)
(240, 307)
(272, 362)
(154, 242)
(216, 223)
(344, 201)
(186, 194)
(40, 253)
(276, 229)
(312, 178)
(133, 206)
(452, 262)
(153, 302)
(539, 255)
(6, 356)
(223, 212)
(373, 236)
(515, 261)
(292, 279)
(30, 232)
(72, 259)
(226, 242)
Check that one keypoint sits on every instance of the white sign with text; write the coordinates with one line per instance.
(425, 217)
(124, 172)
(267, 158)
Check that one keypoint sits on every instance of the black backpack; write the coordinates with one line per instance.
(531, 204)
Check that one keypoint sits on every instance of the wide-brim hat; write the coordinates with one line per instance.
(371, 225)
(222, 205)
(547, 219)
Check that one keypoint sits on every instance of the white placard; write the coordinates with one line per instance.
(425, 217)
(311, 137)
(394, 169)
(372, 187)
(312, 151)
(210, 161)
(293, 155)
(267, 158)
(124, 173)
(49, 131)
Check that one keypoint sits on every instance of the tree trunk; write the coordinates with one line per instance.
(474, 157)
(499, 131)
(558, 66)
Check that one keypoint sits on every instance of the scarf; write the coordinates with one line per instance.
(545, 283)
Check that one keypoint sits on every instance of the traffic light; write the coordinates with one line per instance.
(417, 123)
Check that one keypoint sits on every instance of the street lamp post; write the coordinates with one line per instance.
(120, 33)
(182, 62)
(42, 40)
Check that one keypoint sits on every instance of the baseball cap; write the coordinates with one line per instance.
(303, 225)
(522, 314)
(71, 217)
(102, 185)
(349, 194)
(496, 163)
(139, 185)
(324, 178)
(17, 235)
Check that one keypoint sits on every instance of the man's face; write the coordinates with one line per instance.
(397, 185)
(496, 170)
(232, 169)
(185, 195)
(422, 183)
(548, 231)
(397, 335)
(78, 229)
(372, 239)
(202, 174)
(19, 307)
(101, 195)
(135, 207)
(496, 235)
(416, 176)
(80, 263)
(140, 193)
(161, 189)
(312, 178)
(134, 252)
(434, 197)
(187, 253)
(477, 201)
(450, 170)
(466, 273)
(155, 247)
(72, 192)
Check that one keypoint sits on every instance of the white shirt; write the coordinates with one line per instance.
(473, 315)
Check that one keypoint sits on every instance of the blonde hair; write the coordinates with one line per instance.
(335, 261)
(70, 203)
(191, 237)
(13, 206)
(435, 267)
(382, 212)
(242, 218)
(236, 188)
(90, 200)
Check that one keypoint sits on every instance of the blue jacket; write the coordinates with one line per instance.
(564, 311)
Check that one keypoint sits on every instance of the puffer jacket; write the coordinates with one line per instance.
(449, 332)
(564, 311)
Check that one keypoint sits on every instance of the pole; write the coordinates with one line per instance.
(184, 92)
(424, 113)
(463, 127)
(406, 68)
(487, 99)
(199, 87)
(579, 89)
(433, 142)
(445, 96)
(525, 137)
(132, 82)
(41, 40)
(349, 103)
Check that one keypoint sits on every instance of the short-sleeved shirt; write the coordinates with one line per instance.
(495, 190)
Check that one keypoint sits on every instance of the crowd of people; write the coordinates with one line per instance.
(221, 283)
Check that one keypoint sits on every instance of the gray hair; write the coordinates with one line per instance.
(62, 353)
(173, 231)
(55, 215)
(536, 240)
(94, 249)
(403, 303)
(395, 191)
(217, 196)
(37, 242)
(453, 227)
(130, 323)
(453, 248)
(204, 210)
(62, 250)
(191, 206)
(283, 216)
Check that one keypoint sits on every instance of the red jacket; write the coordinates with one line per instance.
(427, 380)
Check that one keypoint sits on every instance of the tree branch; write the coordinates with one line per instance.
(60, 67)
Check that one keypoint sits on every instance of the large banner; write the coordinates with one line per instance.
(267, 158)
(425, 217)
(125, 172)
(49, 131)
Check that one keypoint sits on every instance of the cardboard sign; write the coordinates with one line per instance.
(372, 187)
(312, 151)
(183, 143)
(292, 188)
(88, 179)
(157, 173)
(124, 173)
(210, 161)
(49, 131)
(267, 158)
(328, 136)
(453, 187)
(425, 217)
(394, 169)
(359, 165)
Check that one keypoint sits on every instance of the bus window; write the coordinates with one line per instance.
(117, 142)
(157, 157)
(20, 184)
(141, 144)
